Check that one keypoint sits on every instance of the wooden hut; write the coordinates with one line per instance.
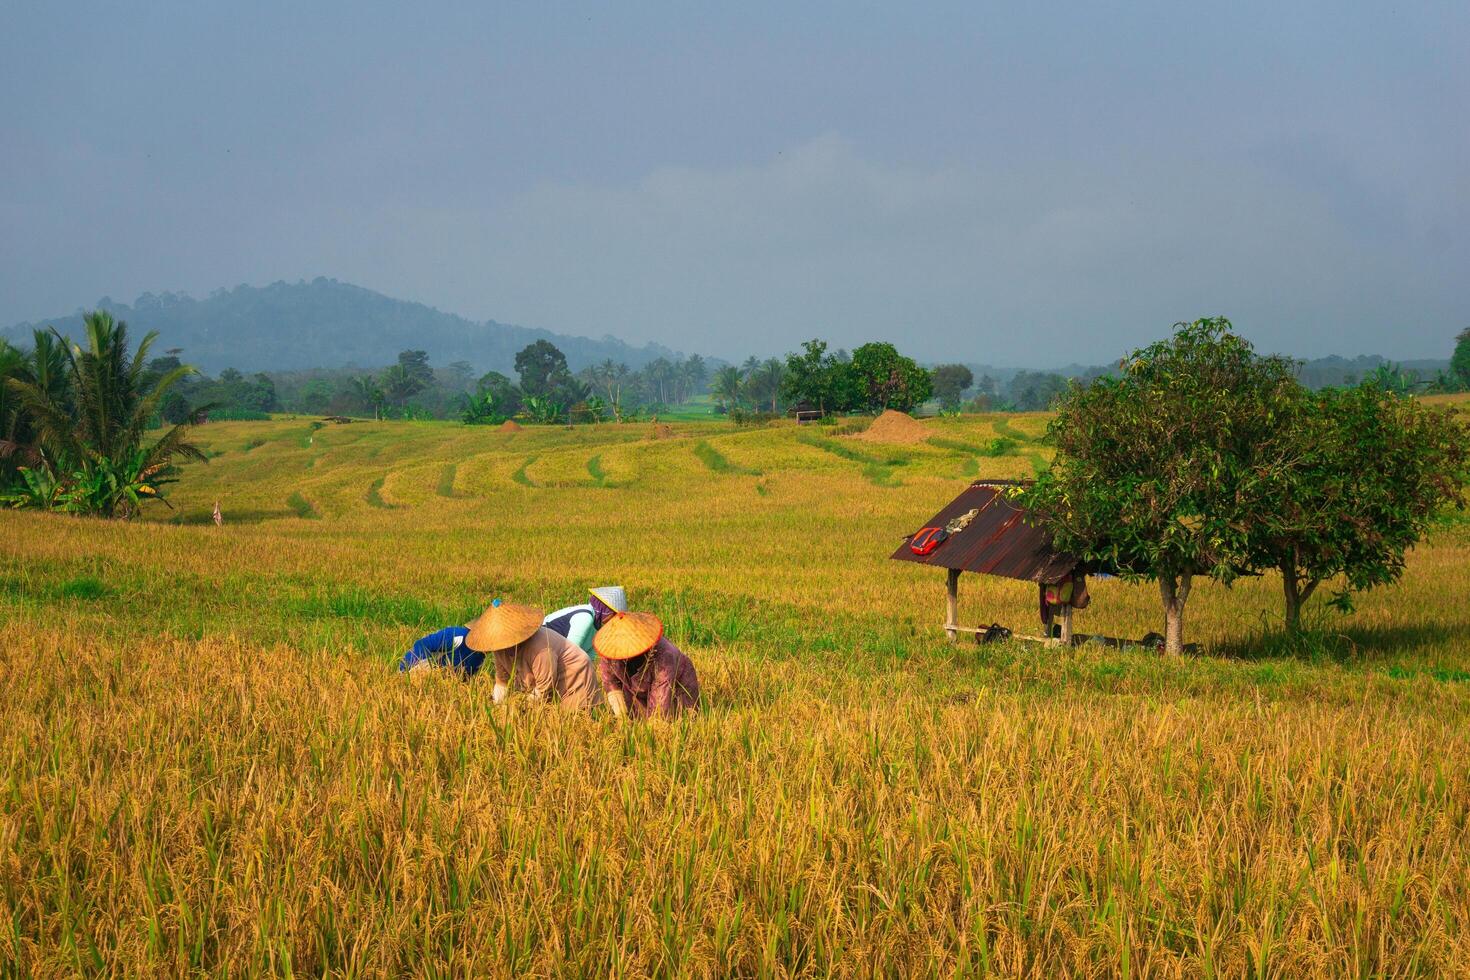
(997, 540)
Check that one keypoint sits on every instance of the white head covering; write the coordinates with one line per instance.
(612, 596)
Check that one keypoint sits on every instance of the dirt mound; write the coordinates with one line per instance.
(510, 425)
(895, 427)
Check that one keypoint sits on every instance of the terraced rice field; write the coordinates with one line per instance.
(210, 766)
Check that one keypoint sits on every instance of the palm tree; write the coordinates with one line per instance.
(769, 376)
(658, 373)
(13, 434)
(93, 442)
(726, 386)
(368, 393)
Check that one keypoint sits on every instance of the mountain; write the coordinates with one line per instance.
(326, 323)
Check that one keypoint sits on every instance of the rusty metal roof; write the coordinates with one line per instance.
(999, 541)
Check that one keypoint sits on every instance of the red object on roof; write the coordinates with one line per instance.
(999, 541)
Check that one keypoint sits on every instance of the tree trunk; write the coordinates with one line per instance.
(1175, 592)
(1298, 591)
(1293, 591)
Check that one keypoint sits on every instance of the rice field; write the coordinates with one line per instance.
(211, 768)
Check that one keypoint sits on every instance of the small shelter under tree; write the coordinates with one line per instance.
(996, 540)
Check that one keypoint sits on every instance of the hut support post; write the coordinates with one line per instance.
(1066, 637)
(952, 604)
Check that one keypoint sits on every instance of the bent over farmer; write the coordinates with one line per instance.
(525, 655)
(579, 623)
(644, 675)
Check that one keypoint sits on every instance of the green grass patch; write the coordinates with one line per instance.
(302, 507)
(877, 470)
(595, 470)
(446, 480)
(1001, 446)
(83, 587)
(519, 476)
(717, 463)
(374, 495)
(365, 604)
(80, 588)
(1004, 427)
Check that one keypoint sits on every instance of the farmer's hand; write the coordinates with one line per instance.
(617, 703)
(498, 695)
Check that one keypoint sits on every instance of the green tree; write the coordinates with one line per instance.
(950, 383)
(763, 385)
(541, 365)
(728, 387)
(1034, 391)
(890, 380)
(811, 377)
(502, 392)
(91, 442)
(611, 379)
(315, 396)
(1151, 466)
(366, 394)
(1460, 359)
(407, 378)
(693, 373)
(1351, 485)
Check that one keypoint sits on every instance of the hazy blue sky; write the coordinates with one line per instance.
(1013, 183)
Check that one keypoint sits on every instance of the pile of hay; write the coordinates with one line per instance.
(895, 427)
(662, 431)
(510, 425)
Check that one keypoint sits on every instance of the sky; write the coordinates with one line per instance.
(1014, 184)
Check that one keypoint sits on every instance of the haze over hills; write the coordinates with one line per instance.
(326, 323)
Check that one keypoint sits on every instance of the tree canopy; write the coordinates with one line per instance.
(1150, 465)
(1349, 487)
(80, 424)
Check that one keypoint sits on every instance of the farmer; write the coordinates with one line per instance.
(526, 656)
(642, 673)
(578, 623)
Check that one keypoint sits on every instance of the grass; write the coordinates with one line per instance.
(445, 487)
(520, 476)
(374, 495)
(879, 470)
(211, 766)
(717, 463)
(1009, 431)
(302, 507)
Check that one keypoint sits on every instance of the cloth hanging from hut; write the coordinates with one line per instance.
(1070, 591)
(958, 524)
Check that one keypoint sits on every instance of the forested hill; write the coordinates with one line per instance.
(326, 323)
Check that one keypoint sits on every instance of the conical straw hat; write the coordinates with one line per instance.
(612, 596)
(627, 635)
(502, 626)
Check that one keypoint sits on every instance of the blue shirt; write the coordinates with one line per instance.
(444, 649)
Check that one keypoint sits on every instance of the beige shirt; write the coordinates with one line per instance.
(549, 664)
